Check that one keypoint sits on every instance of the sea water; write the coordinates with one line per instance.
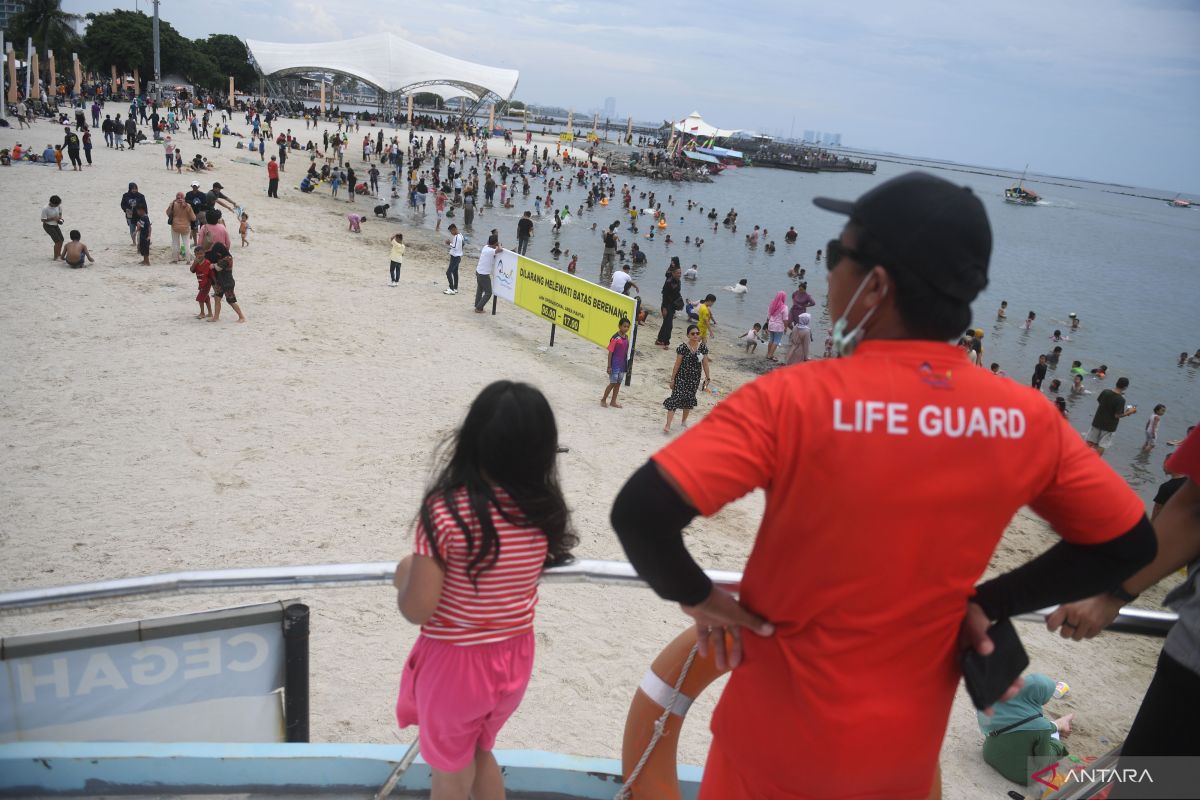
(1126, 264)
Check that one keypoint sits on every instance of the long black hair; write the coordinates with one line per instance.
(508, 440)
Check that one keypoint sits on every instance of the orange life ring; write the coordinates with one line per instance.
(658, 779)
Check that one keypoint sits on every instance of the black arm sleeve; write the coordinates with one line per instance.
(649, 517)
(1068, 572)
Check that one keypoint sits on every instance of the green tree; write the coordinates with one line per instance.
(229, 57)
(121, 38)
(50, 26)
(126, 39)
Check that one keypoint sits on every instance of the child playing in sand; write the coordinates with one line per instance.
(749, 339)
(203, 271)
(356, 221)
(76, 251)
(493, 518)
(244, 227)
(618, 356)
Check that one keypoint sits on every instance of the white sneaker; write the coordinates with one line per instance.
(449, 291)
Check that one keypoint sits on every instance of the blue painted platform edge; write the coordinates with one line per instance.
(65, 768)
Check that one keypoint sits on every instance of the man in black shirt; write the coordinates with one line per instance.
(215, 196)
(610, 250)
(71, 145)
(131, 132)
(195, 199)
(1039, 372)
(131, 200)
(1110, 409)
(524, 232)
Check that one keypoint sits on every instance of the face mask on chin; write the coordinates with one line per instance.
(845, 342)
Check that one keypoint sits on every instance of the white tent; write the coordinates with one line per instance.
(694, 125)
(387, 62)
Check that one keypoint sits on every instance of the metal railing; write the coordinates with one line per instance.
(1140, 621)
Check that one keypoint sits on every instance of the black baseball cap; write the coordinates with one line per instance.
(928, 227)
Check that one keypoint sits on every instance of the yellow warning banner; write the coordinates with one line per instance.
(585, 309)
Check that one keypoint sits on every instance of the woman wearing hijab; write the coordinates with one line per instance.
(777, 314)
(801, 301)
(1018, 731)
(180, 217)
(800, 339)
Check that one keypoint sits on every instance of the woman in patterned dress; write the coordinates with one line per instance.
(691, 358)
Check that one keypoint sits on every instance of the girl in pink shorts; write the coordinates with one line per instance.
(492, 520)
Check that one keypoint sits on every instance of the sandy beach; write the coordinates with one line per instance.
(139, 440)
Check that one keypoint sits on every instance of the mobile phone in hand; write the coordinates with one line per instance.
(988, 677)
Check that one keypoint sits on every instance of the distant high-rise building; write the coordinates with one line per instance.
(809, 137)
(835, 140)
(610, 107)
(8, 8)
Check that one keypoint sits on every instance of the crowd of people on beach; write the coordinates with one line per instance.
(494, 517)
(840, 623)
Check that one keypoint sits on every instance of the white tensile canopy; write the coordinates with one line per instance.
(694, 125)
(388, 63)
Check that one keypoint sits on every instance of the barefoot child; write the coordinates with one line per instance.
(244, 227)
(749, 339)
(493, 518)
(618, 352)
(76, 251)
(356, 221)
(204, 273)
(1151, 424)
(222, 263)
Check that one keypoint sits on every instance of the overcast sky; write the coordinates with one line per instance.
(1100, 89)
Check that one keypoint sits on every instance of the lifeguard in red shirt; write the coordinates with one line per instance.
(860, 592)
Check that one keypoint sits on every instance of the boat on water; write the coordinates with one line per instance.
(1017, 194)
(1179, 202)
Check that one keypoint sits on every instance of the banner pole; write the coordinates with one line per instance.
(552, 327)
(637, 315)
(494, 299)
(295, 693)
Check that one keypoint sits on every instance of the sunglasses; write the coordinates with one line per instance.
(835, 251)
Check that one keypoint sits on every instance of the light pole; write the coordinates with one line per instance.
(157, 65)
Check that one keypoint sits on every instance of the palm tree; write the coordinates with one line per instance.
(50, 26)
